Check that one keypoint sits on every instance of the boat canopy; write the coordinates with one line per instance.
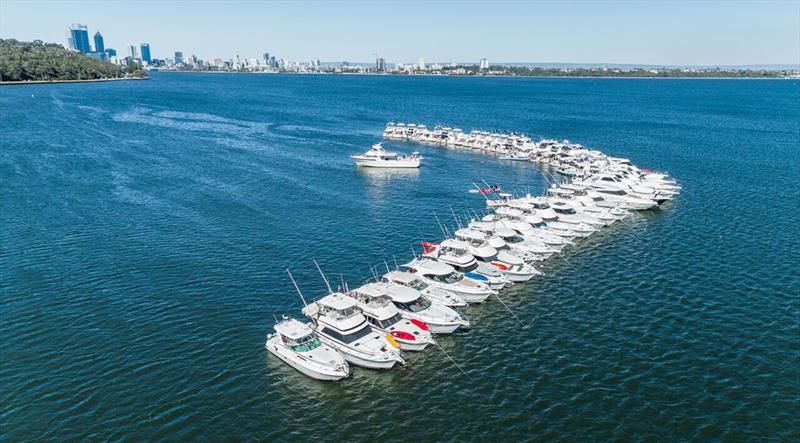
(371, 289)
(429, 267)
(402, 294)
(293, 329)
(337, 301)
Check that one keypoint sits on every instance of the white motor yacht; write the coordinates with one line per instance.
(341, 325)
(377, 157)
(384, 317)
(417, 307)
(511, 265)
(298, 345)
(447, 278)
(455, 253)
(437, 295)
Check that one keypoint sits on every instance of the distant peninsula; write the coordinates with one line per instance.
(39, 62)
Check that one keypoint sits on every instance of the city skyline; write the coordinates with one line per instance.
(653, 33)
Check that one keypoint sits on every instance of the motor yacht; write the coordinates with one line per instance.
(445, 277)
(383, 316)
(511, 265)
(377, 157)
(437, 295)
(414, 306)
(298, 345)
(517, 156)
(455, 253)
(340, 324)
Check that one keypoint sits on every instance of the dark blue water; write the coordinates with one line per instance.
(145, 228)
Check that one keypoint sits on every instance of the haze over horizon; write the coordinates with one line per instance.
(704, 33)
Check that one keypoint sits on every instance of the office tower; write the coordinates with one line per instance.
(265, 58)
(133, 51)
(380, 65)
(145, 52)
(78, 38)
(111, 52)
(484, 64)
(178, 57)
(99, 46)
(421, 64)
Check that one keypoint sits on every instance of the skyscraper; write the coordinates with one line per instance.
(133, 52)
(178, 57)
(265, 59)
(380, 64)
(484, 64)
(421, 64)
(78, 38)
(145, 47)
(99, 46)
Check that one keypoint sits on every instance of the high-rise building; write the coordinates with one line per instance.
(178, 57)
(265, 59)
(145, 52)
(133, 51)
(272, 62)
(484, 64)
(111, 52)
(380, 65)
(78, 38)
(421, 64)
(99, 46)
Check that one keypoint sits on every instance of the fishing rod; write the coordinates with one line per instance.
(441, 227)
(325, 279)
(387, 266)
(457, 220)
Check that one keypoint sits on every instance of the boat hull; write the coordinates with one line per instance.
(331, 375)
(388, 164)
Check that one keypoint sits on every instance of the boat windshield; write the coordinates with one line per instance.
(470, 268)
(341, 314)
(453, 277)
(347, 338)
(304, 344)
(372, 301)
(419, 285)
(417, 305)
(389, 322)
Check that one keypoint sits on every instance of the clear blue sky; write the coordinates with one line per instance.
(659, 32)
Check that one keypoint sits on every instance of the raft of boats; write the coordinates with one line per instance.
(372, 326)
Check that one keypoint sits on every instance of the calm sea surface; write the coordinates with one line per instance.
(145, 228)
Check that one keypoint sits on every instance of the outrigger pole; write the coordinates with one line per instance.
(299, 292)
(330, 291)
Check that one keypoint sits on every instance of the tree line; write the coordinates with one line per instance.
(28, 61)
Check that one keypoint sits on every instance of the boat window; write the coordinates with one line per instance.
(469, 268)
(453, 277)
(389, 322)
(341, 314)
(306, 343)
(420, 304)
(347, 338)
(419, 285)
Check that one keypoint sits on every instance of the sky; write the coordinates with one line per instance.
(672, 32)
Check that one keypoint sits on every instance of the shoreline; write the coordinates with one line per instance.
(371, 74)
(93, 80)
